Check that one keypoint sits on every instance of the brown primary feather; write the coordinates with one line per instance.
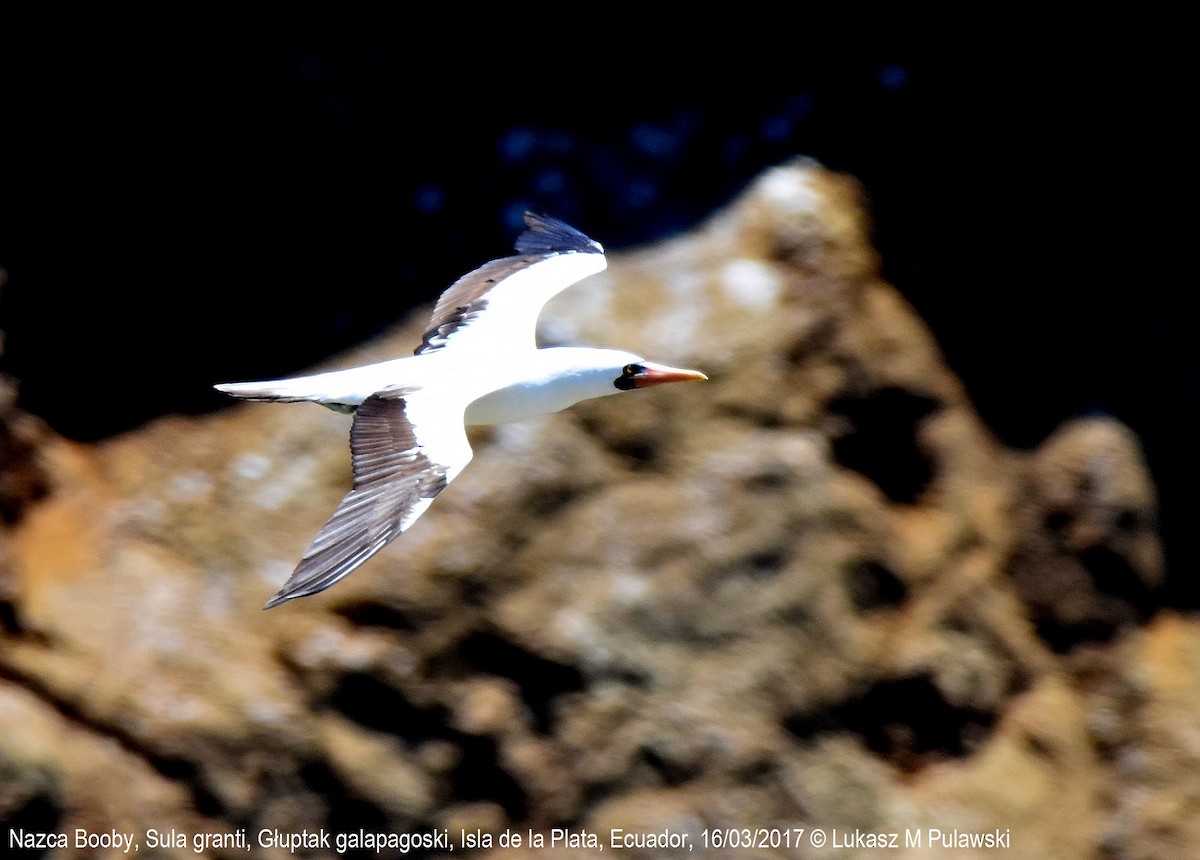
(393, 480)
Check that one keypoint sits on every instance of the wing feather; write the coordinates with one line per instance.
(499, 303)
(396, 477)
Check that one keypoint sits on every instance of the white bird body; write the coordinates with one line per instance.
(478, 364)
(524, 385)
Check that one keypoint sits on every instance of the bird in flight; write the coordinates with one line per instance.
(478, 363)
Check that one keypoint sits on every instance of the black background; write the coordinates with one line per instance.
(187, 200)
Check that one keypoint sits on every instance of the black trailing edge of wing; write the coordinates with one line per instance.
(547, 235)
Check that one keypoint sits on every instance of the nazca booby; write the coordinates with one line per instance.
(478, 363)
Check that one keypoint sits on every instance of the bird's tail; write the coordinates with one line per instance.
(340, 390)
(283, 390)
(323, 388)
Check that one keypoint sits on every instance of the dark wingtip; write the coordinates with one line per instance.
(284, 595)
(279, 598)
(548, 235)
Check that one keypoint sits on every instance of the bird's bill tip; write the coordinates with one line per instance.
(657, 374)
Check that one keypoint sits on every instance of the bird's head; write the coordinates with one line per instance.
(639, 373)
(558, 377)
(570, 374)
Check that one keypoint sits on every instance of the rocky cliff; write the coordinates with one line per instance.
(813, 593)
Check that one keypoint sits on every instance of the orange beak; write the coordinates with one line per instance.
(658, 374)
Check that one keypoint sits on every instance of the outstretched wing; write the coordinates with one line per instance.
(405, 448)
(496, 307)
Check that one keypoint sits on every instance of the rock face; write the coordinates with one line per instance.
(813, 593)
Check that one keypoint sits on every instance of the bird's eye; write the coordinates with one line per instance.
(628, 380)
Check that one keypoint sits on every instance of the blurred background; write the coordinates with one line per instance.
(188, 199)
(813, 592)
